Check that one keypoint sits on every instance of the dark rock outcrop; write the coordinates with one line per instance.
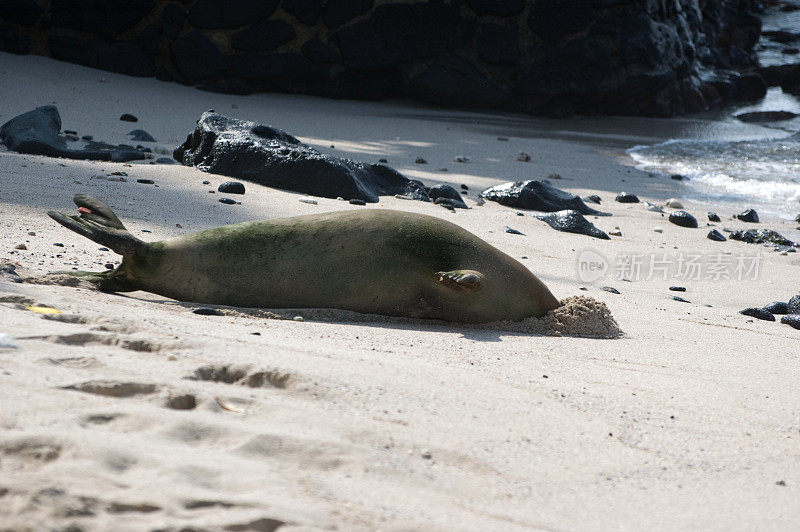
(777, 307)
(536, 195)
(793, 306)
(761, 236)
(447, 192)
(716, 236)
(750, 215)
(271, 157)
(571, 222)
(626, 197)
(792, 320)
(758, 313)
(37, 132)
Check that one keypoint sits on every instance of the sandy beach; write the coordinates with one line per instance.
(130, 412)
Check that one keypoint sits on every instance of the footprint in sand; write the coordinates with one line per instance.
(241, 375)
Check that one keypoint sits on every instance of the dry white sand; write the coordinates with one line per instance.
(129, 412)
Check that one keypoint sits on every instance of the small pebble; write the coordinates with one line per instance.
(21, 247)
(310, 201)
(716, 236)
(356, 201)
(127, 117)
(672, 203)
(461, 159)
(678, 288)
(513, 231)
(383, 160)
(206, 182)
(123, 174)
(658, 230)
(713, 217)
(256, 333)
(464, 187)
(231, 187)
(420, 160)
(611, 289)
(502, 139)
(145, 181)
(205, 311)
(403, 196)
(103, 249)
(426, 455)
(227, 201)
(677, 177)
(625, 197)
(70, 132)
(792, 320)
(87, 137)
(59, 244)
(594, 198)
(520, 213)
(109, 266)
(298, 318)
(680, 299)
(758, 313)
(616, 232)
(523, 157)
(31, 233)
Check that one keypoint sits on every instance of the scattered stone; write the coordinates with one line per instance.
(271, 157)
(513, 231)
(383, 161)
(677, 177)
(766, 116)
(70, 132)
(672, 203)
(21, 247)
(678, 288)
(716, 236)
(792, 320)
(610, 289)
(680, 299)
(206, 182)
(502, 139)
(652, 207)
(298, 318)
(615, 232)
(624, 197)
(145, 181)
(761, 236)
(310, 201)
(464, 187)
(128, 118)
(446, 191)
(165, 160)
(420, 160)
(206, 311)
(461, 159)
(683, 218)
(58, 244)
(227, 201)
(523, 157)
(571, 221)
(713, 217)
(357, 202)
(758, 313)
(793, 306)
(403, 197)
(87, 137)
(658, 230)
(140, 135)
(594, 198)
(750, 215)
(426, 455)
(36, 133)
(231, 187)
(777, 307)
(537, 195)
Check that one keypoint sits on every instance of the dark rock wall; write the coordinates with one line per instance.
(647, 57)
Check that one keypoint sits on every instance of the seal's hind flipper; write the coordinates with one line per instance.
(97, 222)
(464, 280)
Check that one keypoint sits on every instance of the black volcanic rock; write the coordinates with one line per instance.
(571, 221)
(36, 132)
(792, 320)
(451, 81)
(758, 313)
(536, 196)
(683, 218)
(793, 306)
(716, 236)
(713, 217)
(214, 14)
(271, 157)
(761, 236)
(231, 187)
(766, 116)
(140, 135)
(750, 215)
(625, 197)
(446, 191)
(777, 307)
(196, 57)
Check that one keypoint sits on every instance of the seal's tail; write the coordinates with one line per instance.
(97, 222)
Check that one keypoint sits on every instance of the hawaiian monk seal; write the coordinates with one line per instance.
(371, 261)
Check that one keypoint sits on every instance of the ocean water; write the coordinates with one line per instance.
(755, 167)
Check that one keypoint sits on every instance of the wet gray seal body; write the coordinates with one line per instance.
(372, 261)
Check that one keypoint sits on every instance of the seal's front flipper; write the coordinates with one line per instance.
(97, 222)
(463, 280)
